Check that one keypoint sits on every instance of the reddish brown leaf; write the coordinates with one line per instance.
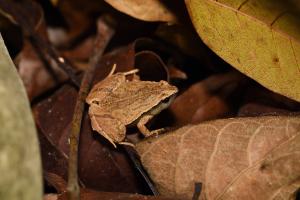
(211, 98)
(34, 73)
(81, 52)
(241, 158)
(151, 66)
(56, 181)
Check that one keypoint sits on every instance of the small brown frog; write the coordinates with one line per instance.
(116, 102)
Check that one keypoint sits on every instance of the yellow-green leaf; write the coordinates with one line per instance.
(261, 38)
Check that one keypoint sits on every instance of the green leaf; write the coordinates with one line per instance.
(20, 164)
(258, 37)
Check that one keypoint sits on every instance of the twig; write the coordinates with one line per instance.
(105, 33)
(20, 12)
(44, 60)
(51, 52)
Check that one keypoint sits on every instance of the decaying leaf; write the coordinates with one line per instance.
(235, 158)
(209, 99)
(36, 77)
(151, 10)
(258, 37)
(20, 165)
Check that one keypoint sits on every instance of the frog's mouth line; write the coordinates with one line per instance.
(164, 104)
(169, 99)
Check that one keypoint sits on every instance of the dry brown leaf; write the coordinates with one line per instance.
(236, 158)
(151, 10)
(208, 99)
(34, 74)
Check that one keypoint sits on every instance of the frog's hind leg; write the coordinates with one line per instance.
(110, 128)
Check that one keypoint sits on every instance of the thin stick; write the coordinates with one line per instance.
(51, 52)
(17, 13)
(105, 33)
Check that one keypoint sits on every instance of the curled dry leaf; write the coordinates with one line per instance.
(151, 67)
(151, 10)
(209, 99)
(236, 158)
(258, 37)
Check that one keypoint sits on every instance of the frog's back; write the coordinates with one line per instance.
(132, 99)
(105, 87)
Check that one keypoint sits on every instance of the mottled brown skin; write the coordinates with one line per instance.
(116, 102)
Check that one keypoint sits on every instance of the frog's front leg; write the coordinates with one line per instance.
(144, 130)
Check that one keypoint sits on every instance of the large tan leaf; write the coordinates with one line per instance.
(20, 165)
(237, 158)
(258, 37)
(150, 10)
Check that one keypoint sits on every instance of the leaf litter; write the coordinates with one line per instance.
(205, 140)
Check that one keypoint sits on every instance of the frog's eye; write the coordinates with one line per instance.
(166, 100)
(95, 102)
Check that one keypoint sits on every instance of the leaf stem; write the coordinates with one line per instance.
(105, 33)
